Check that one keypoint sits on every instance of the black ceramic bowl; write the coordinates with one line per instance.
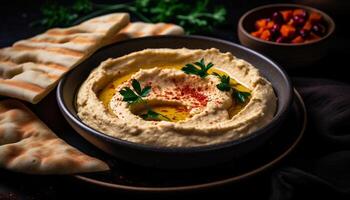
(287, 54)
(165, 157)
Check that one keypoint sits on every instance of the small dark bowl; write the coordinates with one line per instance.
(287, 54)
(165, 157)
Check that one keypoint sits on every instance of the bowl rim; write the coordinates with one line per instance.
(330, 21)
(203, 148)
(298, 98)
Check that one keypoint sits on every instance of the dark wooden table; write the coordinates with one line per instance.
(15, 16)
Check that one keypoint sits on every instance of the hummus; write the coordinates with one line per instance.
(175, 107)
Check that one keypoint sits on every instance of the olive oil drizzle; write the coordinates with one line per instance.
(174, 112)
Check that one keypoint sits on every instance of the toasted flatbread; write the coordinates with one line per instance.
(141, 29)
(27, 145)
(30, 68)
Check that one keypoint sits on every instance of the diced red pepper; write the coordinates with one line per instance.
(313, 36)
(270, 24)
(287, 15)
(290, 26)
(265, 35)
(261, 23)
(308, 25)
(315, 17)
(298, 39)
(287, 31)
(299, 12)
(258, 32)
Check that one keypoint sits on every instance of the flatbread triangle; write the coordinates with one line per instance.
(31, 68)
(27, 145)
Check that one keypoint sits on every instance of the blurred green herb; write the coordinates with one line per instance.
(59, 15)
(198, 18)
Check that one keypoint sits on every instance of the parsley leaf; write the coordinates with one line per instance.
(146, 90)
(152, 115)
(135, 96)
(136, 85)
(190, 69)
(130, 96)
(241, 97)
(202, 71)
(225, 82)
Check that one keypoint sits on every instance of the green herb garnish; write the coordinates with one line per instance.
(225, 82)
(132, 97)
(152, 115)
(240, 96)
(198, 18)
(202, 71)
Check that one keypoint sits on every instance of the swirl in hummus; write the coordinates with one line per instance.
(175, 106)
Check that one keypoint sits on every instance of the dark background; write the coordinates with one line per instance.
(15, 16)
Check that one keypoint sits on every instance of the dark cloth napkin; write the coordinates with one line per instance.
(321, 166)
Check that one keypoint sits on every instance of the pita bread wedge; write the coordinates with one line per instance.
(27, 145)
(32, 67)
(141, 29)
